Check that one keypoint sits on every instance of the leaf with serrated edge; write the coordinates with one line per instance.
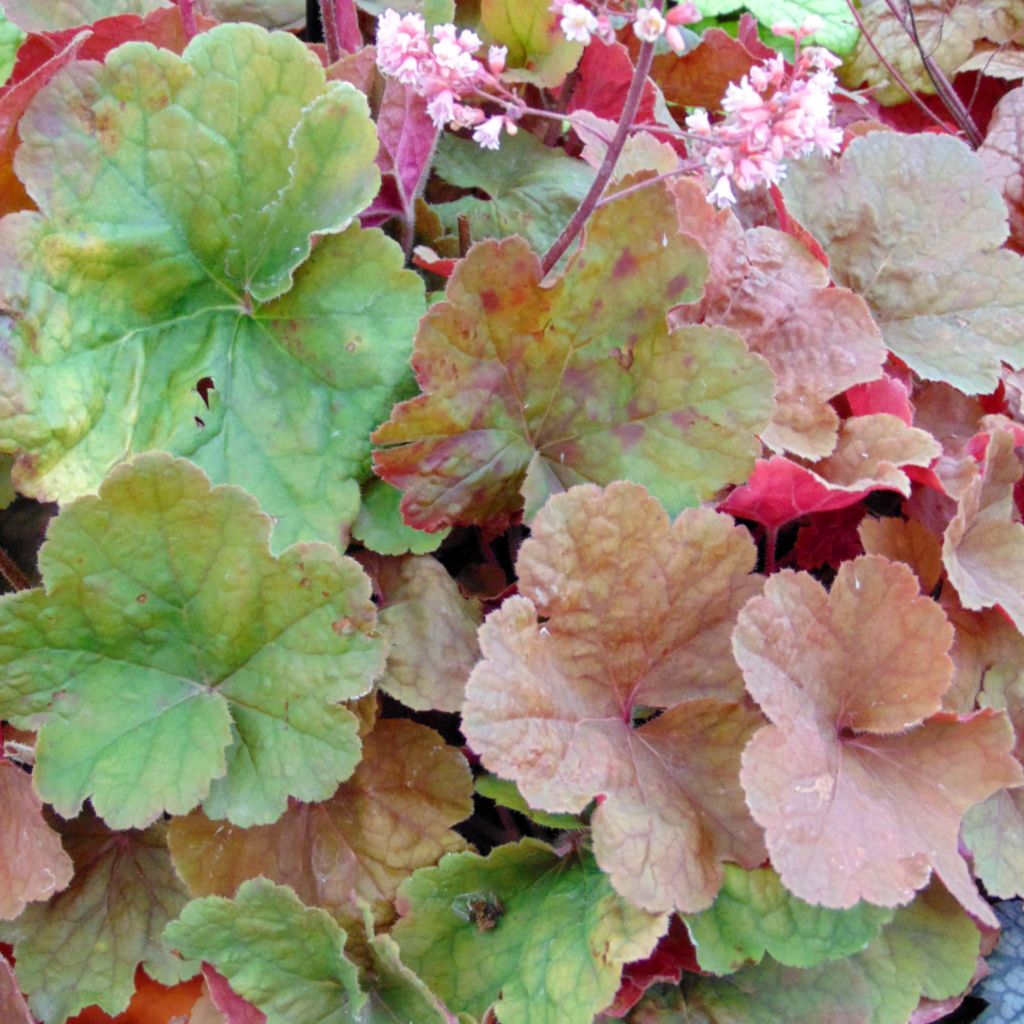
(169, 635)
(83, 946)
(394, 815)
(983, 546)
(754, 914)
(532, 389)
(559, 939)
(912, 225)
(551, 705)
(905, 541)
(431, 632)
(1002, 154)
(33, 864)
(379, 526)
(818, 340)
(860, 797)
(285, 958)
(53, 15)
(140, 280)
(930, 948)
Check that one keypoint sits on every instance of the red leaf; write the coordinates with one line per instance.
(830, 538)
(604, 76)
(236, 1009)
(152, 1003)
(887, 394)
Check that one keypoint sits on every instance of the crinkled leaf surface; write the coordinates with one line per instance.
(860, 797)
(868, 455)
(287, 959)
(532, 389)
(168, 635)
(558, 940)
(949, 31)
(33, 864)
(52, 15)
(1003, 989)
(271, 13)
(1002, 154)
(983, 547)
(392, 816)
(912, 224)
(994, 831)
(930, 949)
(532, 190)
(755, 914)
(430, 629)
(83, 946)
(636, 613)
(818, 340)
(159, 300)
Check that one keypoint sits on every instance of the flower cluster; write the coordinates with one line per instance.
(771, 117)
(445, 70)
(580, 24)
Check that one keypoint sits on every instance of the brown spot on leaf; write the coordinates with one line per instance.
(623, 358)
(343, 626)
(677, 285)
(625, 264)
(142, 598)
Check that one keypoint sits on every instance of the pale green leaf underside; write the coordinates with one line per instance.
(169, 635)
(179, 196)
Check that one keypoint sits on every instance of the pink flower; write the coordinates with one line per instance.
(649, 24)
(401, 45)
(496, 57)
(684, 14)
(577, 23)
(488, 135)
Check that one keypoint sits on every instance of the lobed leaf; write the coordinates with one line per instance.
(552, 704)
(169, 635)
(912, 225)
(537, 51)
(766, 285)
(393, 816)
(53, 15)
(33, 864)
(1002, 154)
(754, 914)
(285, 958)
(530, 389)
(547, 935)
(859, 796)
(158, 300)
(83, 946)
(930, 948)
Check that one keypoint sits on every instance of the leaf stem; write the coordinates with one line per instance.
(897, 77)
(188, 18)
(12, 573)
(341, 28)
(604, 172)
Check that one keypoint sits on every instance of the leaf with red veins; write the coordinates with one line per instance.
(636, 613)
(868, 456)
(853, 804)
(1002, 154)
(983, 547)
(819, 340)
(33, 864)
(529, 390)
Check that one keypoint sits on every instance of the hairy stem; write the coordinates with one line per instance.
(329, 20)
(604, 172)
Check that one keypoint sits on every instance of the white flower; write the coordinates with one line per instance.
(488, 135)
(722, 195)
(649, 24)
(577, 23)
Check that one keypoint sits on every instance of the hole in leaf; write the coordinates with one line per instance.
(204, 386)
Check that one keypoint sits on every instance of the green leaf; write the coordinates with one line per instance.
(929, 949)
(530, 389)
(506, 793)
(839, 32)
(10, 39)
(53, 15)
(161, 300)
(911, 223)
(542, 937)
(533, 190)
(287, 959)
(754, 914)
(379, 525)
(83, 946)
(169, 637)
(537, 51)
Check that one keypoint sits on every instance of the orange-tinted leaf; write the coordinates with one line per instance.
(983, 547)
(33, 864)
(152, 1003)
(531, 389)
(636, 614)
(700, 77)
(905, 541)
(765, 284)
(861, 797)
(392, 817)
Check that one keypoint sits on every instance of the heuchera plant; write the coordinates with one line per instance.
(512, 511)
